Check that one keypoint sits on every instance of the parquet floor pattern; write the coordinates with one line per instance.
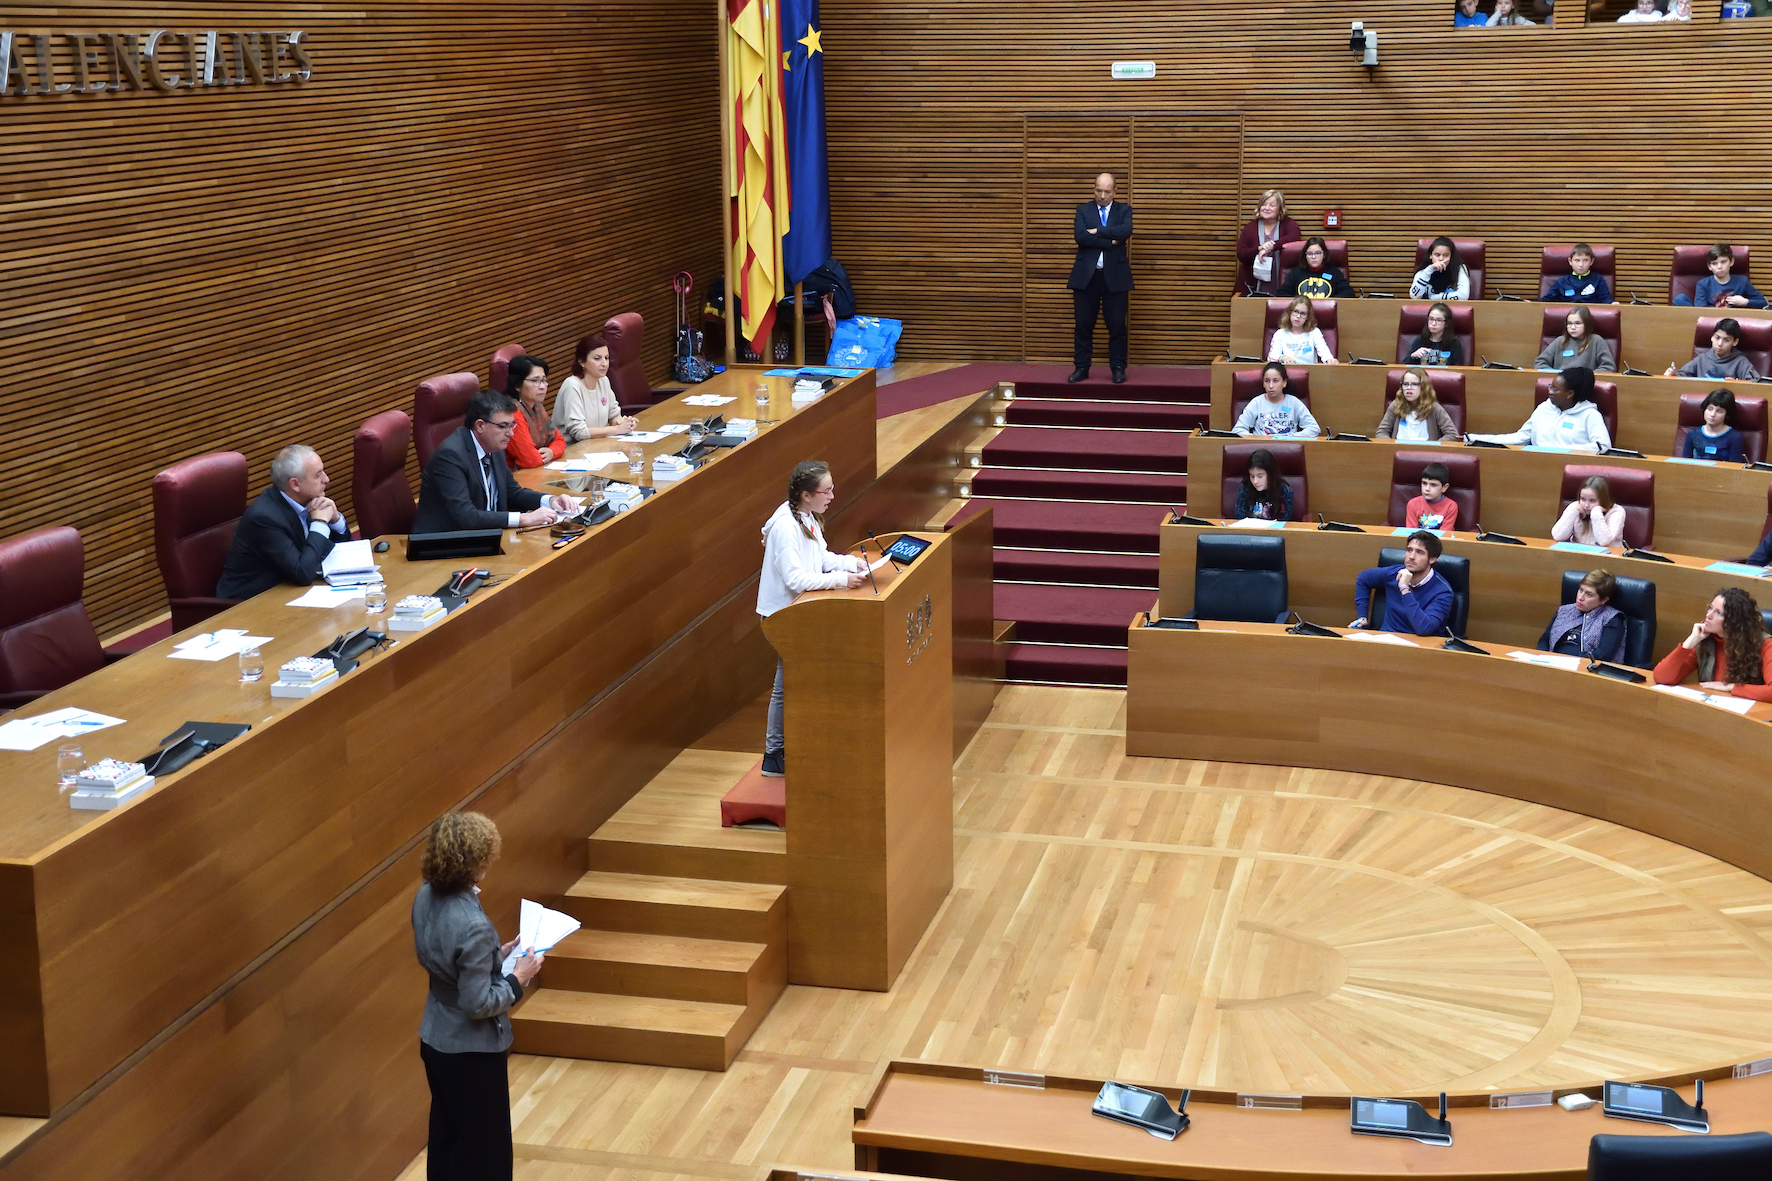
(1256, 928)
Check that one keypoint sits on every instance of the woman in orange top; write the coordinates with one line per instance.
(535, 440)
(1730, 650)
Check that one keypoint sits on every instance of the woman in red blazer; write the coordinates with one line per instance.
(1259, 243)
(534, 440)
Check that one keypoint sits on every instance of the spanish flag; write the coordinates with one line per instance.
(757, 185)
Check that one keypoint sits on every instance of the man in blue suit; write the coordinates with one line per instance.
(287, 532)
(1101, 278)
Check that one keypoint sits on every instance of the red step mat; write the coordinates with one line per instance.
(1144, 451)
(1039, 565)
(1146, 487)
(755, 798)
(1072, 614)
(1063, 524)
(1156, 383)
(1068, 666)
(1166, 416)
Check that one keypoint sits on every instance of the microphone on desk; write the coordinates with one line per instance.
(870, 566)
(883, 552)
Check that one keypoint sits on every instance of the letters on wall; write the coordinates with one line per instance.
(47, 65)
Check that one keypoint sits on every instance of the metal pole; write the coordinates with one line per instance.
(728, 170)
(799, 327)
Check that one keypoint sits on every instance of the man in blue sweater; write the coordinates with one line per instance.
(1416, 600)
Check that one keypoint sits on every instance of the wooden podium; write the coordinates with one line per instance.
(870, 768)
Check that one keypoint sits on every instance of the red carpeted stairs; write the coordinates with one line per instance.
(1079, 480)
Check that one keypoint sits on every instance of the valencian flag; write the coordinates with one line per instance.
(807, 241)
(757, 185)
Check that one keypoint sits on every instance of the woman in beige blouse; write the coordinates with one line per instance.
(586, 407)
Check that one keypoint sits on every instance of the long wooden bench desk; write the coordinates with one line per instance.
(1509, 331)
(1712, 511)
(959, 1122)
(1514, 588)
(1351, 399)
(114, 925)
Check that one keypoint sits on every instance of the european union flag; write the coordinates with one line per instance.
(807, 243)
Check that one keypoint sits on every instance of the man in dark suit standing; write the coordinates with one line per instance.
(1101, 279)
(467, 484)
(287, 532)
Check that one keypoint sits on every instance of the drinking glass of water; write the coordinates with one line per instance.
(762, 394)
(252, 665)
(636, 460)
(70, 760)
(375, 599)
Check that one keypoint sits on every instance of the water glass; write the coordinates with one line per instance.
(70, 760)
(697, 432)
(252, 665)
(762, 394)
(375, 599)
(636, 460)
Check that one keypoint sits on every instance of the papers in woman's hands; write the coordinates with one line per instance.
(31, 733)
(538, 929)
(327, 596)
(1548, 659)
(591, 462)
(217, 645)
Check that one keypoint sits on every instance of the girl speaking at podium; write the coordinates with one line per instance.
(795, 560)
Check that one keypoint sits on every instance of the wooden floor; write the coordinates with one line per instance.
(1237, 926)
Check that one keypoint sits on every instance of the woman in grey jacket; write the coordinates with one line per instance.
(466, 1031)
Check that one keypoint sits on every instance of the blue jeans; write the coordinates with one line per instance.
(774, 739)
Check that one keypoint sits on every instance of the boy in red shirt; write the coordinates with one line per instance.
(1433, 509)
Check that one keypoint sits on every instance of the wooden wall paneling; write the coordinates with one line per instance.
(1063, 154)
(258, 266)
(1187, 168)
(1471, 132)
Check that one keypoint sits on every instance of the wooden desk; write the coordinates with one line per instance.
(1713, 511)
(1515, 589)
(1682, 770)
(113, 925)
(869, 677)
(947, 1121)
(1351, 398)
(1650, 335)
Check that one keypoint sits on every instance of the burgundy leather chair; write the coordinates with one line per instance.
(197, 504)
(1290, 457)
(438, 408)
(1756, 340)
(498, 371)
(1605, 401)
(1246, 387)
(1691, 263)
(1748, 417)
(1292, 253)
(1553, 264)
(46, 637)
(1466, 491)
(1448, 391)
(1325, 309)
(1472, 252)
(1631, 488)
(1412, 321)
(627, 372)
(379, 490)
(1606, 327)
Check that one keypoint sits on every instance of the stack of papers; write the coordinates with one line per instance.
(415, 613)
(350, 563)
(327, 596)
(107, 783)
(622, 497)
(670, 467)
(217, 645)
(31, 733)
(538, 929)
(591, 462)
(1548, 659)
(740, 428)
(707, 400)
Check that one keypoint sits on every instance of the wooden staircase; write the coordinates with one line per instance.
(684, 946)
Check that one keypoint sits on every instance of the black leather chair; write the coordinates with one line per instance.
(1766, 619)
(1635, 600)
(1242, 578)
(1746, 1156)
(1454, 569)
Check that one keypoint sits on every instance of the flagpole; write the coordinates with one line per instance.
(728, 170)
(799, 326)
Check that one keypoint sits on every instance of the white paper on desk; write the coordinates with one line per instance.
(208, 638)
(69, 722)
(327, 596)
(1378, 638)
(348, 558)
(1730, 702)
(219, 648)
(1549, 660)
(707, 400)
(1681, 691)
(591, 462)
(538, 929)
(639, 437)
(1256, 523)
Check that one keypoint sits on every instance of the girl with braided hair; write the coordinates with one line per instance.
(1729, 649)
(795, 560)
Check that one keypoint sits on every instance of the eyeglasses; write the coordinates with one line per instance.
(536, 379)
(501, 426)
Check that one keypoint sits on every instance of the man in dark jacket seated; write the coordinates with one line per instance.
(287, 532)
(467, 484)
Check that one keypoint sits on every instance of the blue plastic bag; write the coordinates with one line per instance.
(865, 342)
